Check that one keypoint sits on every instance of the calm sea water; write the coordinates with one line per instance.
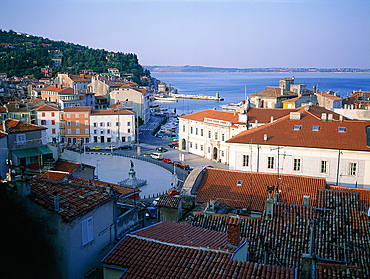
(232, 86)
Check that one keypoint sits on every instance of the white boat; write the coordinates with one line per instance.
(165, 98)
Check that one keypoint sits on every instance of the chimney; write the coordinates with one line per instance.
(323, 116)
(269, 208)
(256, 123)
(295, 115)
(56, 201)
(243, 118)
(276, 197)
(233, 232)
(306, 200)
(271, 119)
(340, 118)
(265, 137)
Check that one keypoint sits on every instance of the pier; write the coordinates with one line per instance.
(199, 96)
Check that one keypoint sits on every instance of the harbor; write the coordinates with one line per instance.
(199, 97)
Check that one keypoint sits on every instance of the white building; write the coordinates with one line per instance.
(49, 117)
(205, 133)
(112, 126)
(310, 143)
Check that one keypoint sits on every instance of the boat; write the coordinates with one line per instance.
(163, 98)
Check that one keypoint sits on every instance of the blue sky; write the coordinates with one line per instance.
(243, 34)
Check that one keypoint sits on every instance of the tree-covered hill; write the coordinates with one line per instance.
(23, 54)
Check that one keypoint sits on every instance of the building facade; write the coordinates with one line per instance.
(76, 125)
(49, 117)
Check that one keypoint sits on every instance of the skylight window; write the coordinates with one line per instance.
(239, 183)
(297, 127)
(315, 128)
(342, 129)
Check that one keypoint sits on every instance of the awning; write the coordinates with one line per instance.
(31, 152)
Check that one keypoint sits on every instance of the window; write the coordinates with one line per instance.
(201, 147)
(77, 131)
(101, 124)
(68, 123)
(196, 146)
(222, 153)
(209, 150)
(43, 122)
(324, 167)
(342, 129)
(270, 162)
(128, 130)
(43, 114)
(86, 115)
(108, 131)
(296, 164)
(196, 131)
(129, 123)
(245, 160)
(68, 115)
(86, 122)
(201, 132)
(101, 132)
(191, 144)
(223, 137)
(53, 114)
(216, 135)
(95, 131)
(183, 128)
(95, 124)
(297, 127)
(108, 124)
(53, 131)
(69, 131)
(315, 128)
(86, 131)
(21, 139)
(352, 169)
(117, 123)
(87, 228)
(77, 115)
(209, 134)
(191, 130)
(77, 123)
(53, 122)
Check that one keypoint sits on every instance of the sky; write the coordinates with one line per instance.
(214, 33)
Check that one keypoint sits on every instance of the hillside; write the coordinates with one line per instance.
(23, 54)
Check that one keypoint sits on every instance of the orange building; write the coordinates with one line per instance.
(77, 125)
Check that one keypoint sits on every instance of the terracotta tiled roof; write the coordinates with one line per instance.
(222, 184)
(364, 195)
(73, 199)
(55, 175)
(15, 126)
(292, 100)
(214, 114)
(263, 115)
(124, 191)
(66, 166)
(100, 98)
(169, 201)
(35, 101)
(328, 136)
(2, 110)
(318, 111)
(186, 235)
(269, 91)
(46, 108)
(15, 107)
(112, 112)
(143, 257)
(329, 96)
(77, 109)
(61, 90)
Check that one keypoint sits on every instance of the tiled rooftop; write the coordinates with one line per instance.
(77, 109)
(221, 184)
(328, 136)
(55, 175)
(73, 199)
(15, 126)
(112, 112)
(46, 108)
(66, 166)
(145, 257)
(169, 201)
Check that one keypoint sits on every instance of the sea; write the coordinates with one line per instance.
(236, 86)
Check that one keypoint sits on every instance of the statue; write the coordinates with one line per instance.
(132, 164)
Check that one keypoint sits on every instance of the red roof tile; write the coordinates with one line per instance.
(112, 112)
(15, 126)
(77, 109)
(222, 184)
(55, 175)
(66, 166)
(281, 133)
(46, 108)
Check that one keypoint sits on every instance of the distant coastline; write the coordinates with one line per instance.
(188, 68)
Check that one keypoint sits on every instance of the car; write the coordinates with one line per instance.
(185, 166)
(177, 163)
(127, 146)
(167, 160)
(156, 156)
(173, 192)
(110, 147)
(151, 212)
(174, 144)
(86, 148)
(161, 149)
(96, 148)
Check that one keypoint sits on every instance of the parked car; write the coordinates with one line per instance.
(174, 144)
(167, 160)
(151, 212)
(127, 146)
(161, 149)
(96, 148)
(173, 192)
(185, 166)
(177, 163)
(86, 148)
(156, 156)
(110, 147)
